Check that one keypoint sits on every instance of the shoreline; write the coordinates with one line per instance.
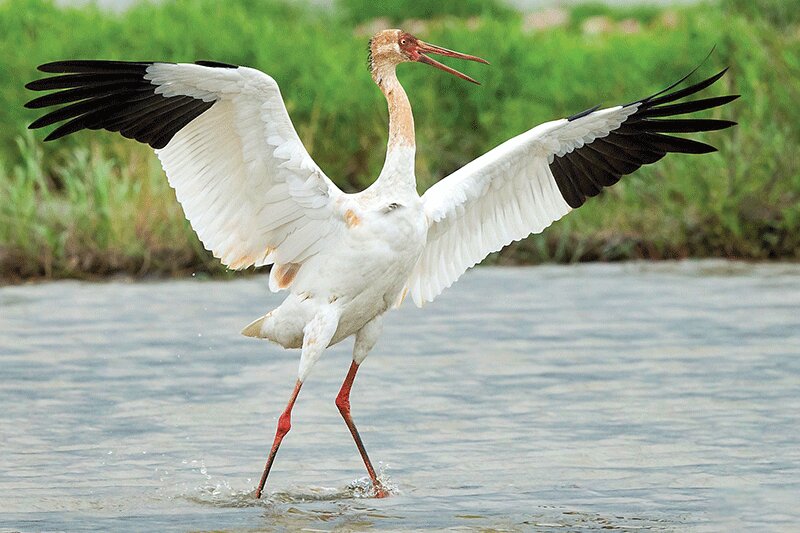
(731, 266)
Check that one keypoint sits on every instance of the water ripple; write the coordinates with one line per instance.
(627, 397)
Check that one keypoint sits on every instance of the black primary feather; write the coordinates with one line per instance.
(641, 139)
(115, 96)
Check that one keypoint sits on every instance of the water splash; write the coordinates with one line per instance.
(363, 488)
(222, 494)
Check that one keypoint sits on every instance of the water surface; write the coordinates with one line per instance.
(660, 397)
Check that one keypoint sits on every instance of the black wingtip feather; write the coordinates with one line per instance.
(642, 138)
(677, 95)
(93, 65)
(683, 79)
(112, 95)
(582, 114)
(88, 91)
(678, 144)
(692, 106)
(686, 125)
(215, 64)
(92, 79)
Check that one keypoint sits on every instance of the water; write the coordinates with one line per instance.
(660, 397)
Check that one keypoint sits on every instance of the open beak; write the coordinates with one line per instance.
(424, 48)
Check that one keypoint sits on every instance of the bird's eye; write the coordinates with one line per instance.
(391, 207)
(403, 41)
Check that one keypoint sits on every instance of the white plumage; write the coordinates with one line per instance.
(503, 196)
(245, 181)
(255, 197)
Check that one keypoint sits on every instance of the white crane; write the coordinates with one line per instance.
(255, 197)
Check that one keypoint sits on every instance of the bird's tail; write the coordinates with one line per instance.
(257, 328)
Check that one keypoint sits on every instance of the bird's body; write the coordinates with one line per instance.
(363, 269)
(255, 197)
(359, 277)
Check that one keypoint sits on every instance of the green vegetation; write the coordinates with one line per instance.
(399, 11)
(95, 204)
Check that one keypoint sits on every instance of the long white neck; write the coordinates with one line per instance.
(398, 169)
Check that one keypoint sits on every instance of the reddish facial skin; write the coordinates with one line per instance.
(408, 44)
(416, 50)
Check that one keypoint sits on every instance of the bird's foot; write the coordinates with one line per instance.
(380, 491)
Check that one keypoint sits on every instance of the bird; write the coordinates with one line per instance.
(255, 197)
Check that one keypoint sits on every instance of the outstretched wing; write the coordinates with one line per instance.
(223, 135)
(528, 182)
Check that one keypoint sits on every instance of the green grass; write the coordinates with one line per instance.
(647, 14)
(95, 204)
(398, 11)
(91, 213)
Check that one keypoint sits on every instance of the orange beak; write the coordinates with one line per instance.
(423, 48)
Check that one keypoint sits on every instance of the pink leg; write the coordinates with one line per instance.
(343, 403)
(284, 425)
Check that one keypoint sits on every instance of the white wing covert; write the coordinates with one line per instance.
(534, 179)
(225, 140)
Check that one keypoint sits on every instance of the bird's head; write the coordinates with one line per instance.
(389, 48)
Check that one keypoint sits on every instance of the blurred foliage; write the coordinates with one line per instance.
(96, 203)
(779, 13)
(397, 11)
(645, 13)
